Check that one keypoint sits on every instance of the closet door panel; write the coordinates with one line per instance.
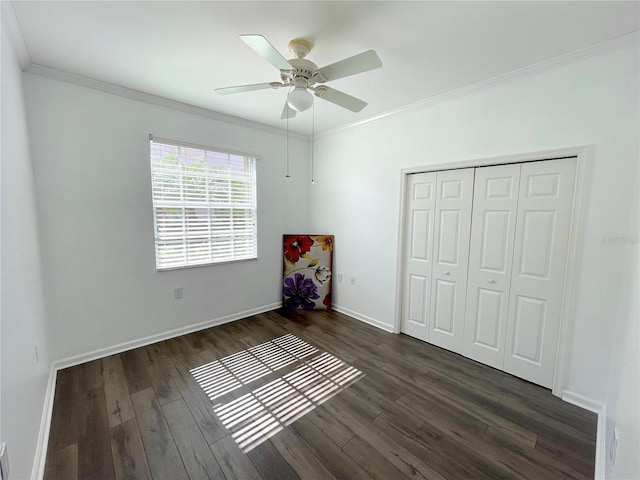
(544, 217)
(452, 223)
(495, 203)
(418, 248)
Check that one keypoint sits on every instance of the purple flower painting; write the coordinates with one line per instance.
(307, 271)
(300, 292)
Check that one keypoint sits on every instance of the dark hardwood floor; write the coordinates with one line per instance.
(311, 395)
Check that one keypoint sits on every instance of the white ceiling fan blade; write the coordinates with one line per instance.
(363, 62)
(287, 111)
(243, 88)
(340, 98)
(267, 51)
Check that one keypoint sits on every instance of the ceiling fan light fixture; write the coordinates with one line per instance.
(300, 99)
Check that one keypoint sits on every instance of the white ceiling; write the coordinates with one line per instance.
(183, 50)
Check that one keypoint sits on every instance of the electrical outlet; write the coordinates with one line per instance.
(614, 446)
(178, 293)
(4, 462)
(340, 277)
(352, 280)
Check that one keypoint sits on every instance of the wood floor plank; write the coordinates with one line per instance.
(196, 455)
(160, 377)
(466, 429)
(116, 392)
(299, 457)
(375, 389)
(347, 327)
(545, 424)
(358, 404)
(457, 462)
(540, 399)
(134, 371)
(162, 454)
(199, 404)
(129, 458)
(531, 456)
(574, 457)
(401, 458)
(337, 347)
(403, 419)
(326, 422)
(471, 460)
(90, 376)
(185, 346)
(233, 461)
(64, 425)
(63, 464)
(94, 439)
(454, 419)
(167, 351)
(270, 463)
(476, 406)
(368, 458)
(263, 322)
(402, 369)
(336, 461)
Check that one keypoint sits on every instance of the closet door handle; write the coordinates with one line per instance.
(446, 272)
(491, 280)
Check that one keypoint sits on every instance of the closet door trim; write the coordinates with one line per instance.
(583, 155)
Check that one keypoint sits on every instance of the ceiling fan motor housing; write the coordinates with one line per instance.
(303, 70)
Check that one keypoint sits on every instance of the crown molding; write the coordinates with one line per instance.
(11, 25)
(91, 83)
(630, 39)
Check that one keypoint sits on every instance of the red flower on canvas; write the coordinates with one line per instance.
(295, 246)
(327, 301)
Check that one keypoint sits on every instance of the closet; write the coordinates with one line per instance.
(485, 253)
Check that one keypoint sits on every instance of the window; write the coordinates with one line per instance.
(204, 205)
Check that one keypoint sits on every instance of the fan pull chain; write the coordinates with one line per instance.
(287, 110)
(313, 137)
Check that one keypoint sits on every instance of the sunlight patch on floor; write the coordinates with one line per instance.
(267, 409)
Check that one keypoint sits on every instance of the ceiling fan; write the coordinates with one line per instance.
(301, 75)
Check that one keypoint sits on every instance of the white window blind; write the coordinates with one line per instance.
(204, 205)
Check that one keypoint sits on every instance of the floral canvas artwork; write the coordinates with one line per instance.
(307, 271)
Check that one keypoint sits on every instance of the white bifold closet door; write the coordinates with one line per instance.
(545, 205)
(452, 223)
(495, 205)
(438, 219)
(418, 247)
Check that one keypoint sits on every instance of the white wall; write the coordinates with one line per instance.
(22, 313)
(590, 102)
(623, 396)
(90, 155)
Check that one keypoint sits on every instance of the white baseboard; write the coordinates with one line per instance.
(40, 457)
(601, 439)
(581, 401)
(363, 318)
(45, 424)
(158, 337)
